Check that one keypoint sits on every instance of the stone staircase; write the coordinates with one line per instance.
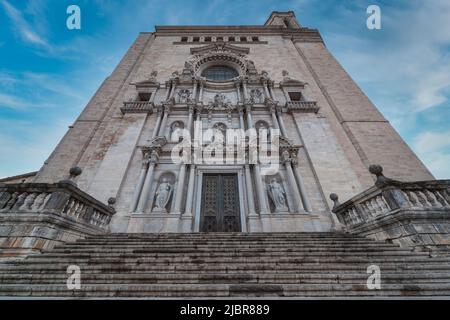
(293, 265)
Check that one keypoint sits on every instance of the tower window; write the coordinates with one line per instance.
(184, 39)
(219, 39)
(243, 39)
(196, 39)
(207, 39)
(295, 96)
(231, 39)
(255, 39)
(219, 73)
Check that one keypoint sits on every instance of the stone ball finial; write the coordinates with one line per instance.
(381, 181)
(75, 171)
(334, 197)
(111, 203)
(376, 169)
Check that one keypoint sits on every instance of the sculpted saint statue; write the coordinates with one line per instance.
(163, 195)
(277, 195)
(177, 132)
(255, 96)
(184, 96)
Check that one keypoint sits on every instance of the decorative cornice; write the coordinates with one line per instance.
(220, 46)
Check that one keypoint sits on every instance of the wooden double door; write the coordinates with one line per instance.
(220, 210)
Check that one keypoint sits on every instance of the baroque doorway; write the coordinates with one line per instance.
(220, 203)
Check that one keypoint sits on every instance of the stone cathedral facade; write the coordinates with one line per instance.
(211, 163)
(178, 83)
(276, 76)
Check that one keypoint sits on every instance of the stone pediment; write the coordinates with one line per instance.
(150, 83)
(220, 47)
(292, 83)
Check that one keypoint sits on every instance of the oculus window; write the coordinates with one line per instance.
(219, 73)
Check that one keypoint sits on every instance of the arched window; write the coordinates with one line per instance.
(219, 73)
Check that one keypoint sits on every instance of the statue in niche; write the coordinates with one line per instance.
(277, 195)
(262, 127)
(184, 96)
(256, 96)
(177, 131)
(264, 75)
(285, 75)
(219, 99)
(219, 134)
(163, 195)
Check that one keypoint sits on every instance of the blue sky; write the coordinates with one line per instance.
(48, 73)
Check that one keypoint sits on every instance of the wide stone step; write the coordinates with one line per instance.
(225, 245)
(132, 254)
(204, 252)
(226, 258)
(314, 267)
(261, 249)
(226, 290)
(146, 278)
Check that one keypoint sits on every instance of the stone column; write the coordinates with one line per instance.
(250, 196)
(257, 172)
(238, 91)
(188, 209)
(194, 91)
(286, 158)
(140, 184)
(201, 91)
(244, 87)
(174, 87)
(271, 92)
(266, 90)
(305, 201)
(274, 117)
(148, 182)
(190, 193)
(162, 129)
(191, 118)
(282, 126)
(169, 89)
(158, 124)
(180, 187)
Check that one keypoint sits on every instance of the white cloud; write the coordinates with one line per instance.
(408, 57)
(25, 30)
(25, 145)
(434, 149)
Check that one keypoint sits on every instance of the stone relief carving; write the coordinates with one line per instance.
(184, 96)
(163, 195)
(277, 195)
(220, 102)
(256, 96)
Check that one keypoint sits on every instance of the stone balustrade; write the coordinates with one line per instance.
(414, 214)
(137, 107)
(302, 106)
(61, 199)
(37, 216)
